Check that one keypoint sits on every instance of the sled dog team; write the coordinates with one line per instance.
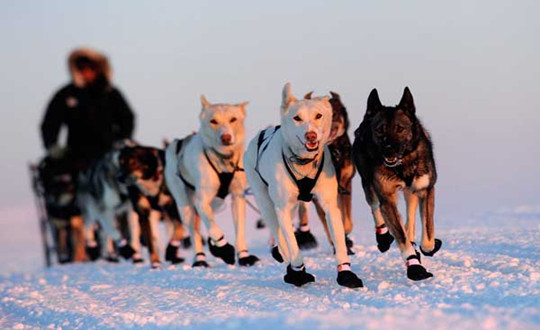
(307, 157)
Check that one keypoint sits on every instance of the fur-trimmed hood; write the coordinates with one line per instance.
(99, 58)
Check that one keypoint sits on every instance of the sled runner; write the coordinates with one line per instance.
(45, 228)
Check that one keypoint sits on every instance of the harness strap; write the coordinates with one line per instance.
(186, 182)
(305, 185)
(260, 141)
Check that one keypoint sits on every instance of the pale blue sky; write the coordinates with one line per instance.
(472, 67)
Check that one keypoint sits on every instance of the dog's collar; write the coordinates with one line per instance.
(300, 161)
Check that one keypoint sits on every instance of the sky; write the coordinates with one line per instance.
(472, 67)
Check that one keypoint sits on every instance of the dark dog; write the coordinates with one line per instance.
(392, 151)
(58, 183)
(340, 150)
(141, 170)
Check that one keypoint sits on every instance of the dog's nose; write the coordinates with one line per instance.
(226, 138)
(311, 136)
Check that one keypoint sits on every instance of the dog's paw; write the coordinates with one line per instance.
(260, 224)
(384, 241)
(305, 239)
(224, 252)
(125, 250)
(415, 270)
(170, 252)
(349, 279)
(276, 255)
(298, 277)
(93, 253)
(186, 242)
(155, 265)
(248, 261)
(437, 247)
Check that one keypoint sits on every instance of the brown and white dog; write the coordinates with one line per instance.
(202, 169)
(289, 163)
(339, 146)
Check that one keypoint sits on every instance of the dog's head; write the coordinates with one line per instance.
(392, 128)
(340, 117)
(141, 167)
(222, 125)
(306, 123)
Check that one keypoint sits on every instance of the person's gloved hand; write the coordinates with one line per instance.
(55, 151)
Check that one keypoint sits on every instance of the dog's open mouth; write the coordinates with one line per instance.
(312, 146)
(392, 161)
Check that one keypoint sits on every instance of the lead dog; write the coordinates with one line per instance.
(392, 151)
(289, 163)
(202, 169)
(340, 147)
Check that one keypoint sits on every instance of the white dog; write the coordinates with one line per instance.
(202, 170)
(289, 163)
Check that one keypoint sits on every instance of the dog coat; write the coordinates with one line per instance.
(305, 185)
(225, 178)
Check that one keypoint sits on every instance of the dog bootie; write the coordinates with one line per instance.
(415, 270)
(438, 244)
(186, 243)
(171, 250)
(347, 278)
(92, 250)
(222, 249)
(276, 255)
(349, 243)
(137, 258)
(245, 259)
(383, 237)
(200, 261)
(111, 257)
(298, 276)
(124, 249)
(260, 224)
(305, 239)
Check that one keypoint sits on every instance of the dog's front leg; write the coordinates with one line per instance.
(430, 245)
(219, 247)
(135, 235)
(411, 199)
(388, 200)
(335, 226)
(284, 214)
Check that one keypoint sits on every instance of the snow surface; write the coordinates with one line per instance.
(486, 277)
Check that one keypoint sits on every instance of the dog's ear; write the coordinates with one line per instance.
(204, 102)
(407, 102)
(373, 103)
(335, 95)
(308, 95)
(287, 98)
(242, 107)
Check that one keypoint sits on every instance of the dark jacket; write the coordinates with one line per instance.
(95, 116)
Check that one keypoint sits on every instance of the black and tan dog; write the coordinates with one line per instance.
(141, 170)
(392, 151)
(57, 181)
(340, 150)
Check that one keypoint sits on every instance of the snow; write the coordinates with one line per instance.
(486, 277)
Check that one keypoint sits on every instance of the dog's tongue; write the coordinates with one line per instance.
(311, 145)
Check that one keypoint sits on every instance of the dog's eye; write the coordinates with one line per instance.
(297, 118)
(400, 129)
(233, 119)
(213, 121)
(318, 116)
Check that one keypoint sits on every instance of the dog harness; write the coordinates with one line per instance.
(225, 178)
(305, 185)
